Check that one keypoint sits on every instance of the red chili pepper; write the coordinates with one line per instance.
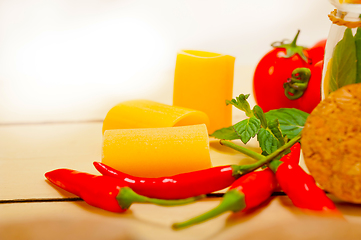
(294, 155)
(247, 192)
(301, 188)
(178, 186)
(104, 192)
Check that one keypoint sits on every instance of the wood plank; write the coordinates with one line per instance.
(28, 151)
(275, 219)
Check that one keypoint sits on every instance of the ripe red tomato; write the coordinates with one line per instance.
(275, 70)
(317, 52)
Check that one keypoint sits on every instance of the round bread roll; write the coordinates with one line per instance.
(331, 143)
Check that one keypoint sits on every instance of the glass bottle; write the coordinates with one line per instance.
(342, 62)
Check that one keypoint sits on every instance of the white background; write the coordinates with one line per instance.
(75, 59)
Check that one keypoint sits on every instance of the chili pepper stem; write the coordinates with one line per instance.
(127, 196)
(274, 164)
(233, 201)
(262, 160)
(241, 149)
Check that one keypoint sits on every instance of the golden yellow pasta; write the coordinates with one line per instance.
(156, 152)
(204, 81)
(150, 114)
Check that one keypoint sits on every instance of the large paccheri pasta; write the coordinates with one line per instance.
(156, 152)
(149, 114)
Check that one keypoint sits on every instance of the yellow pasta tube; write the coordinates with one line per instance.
(204, 81)
(150, 114)
(156, 152)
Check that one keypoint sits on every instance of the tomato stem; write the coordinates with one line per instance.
(292, 48)
(293, 43)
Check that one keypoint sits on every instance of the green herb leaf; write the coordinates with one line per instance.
(358, 54)
(247, 128)
(267, 141)
(258, 112)
(343, 65)
(291, 120)
(242, 104)
(227, 133)
(274, 126)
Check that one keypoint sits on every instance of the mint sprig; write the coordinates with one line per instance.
(273, 129)
(291, 120)
(271, 138)
(267, 141)
(227, 133)
(241, 103)
(258, 113)
(247, 128)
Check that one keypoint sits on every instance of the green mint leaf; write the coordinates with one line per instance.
(232, 102)
(274, 127)
(258, 112)
(227, 133)
(358, 54)
(343, 65)
(291, 120)
(270, 139)
(267, 141)
(242, 104)
(247, 128)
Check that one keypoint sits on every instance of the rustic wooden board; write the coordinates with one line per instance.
(31, 208)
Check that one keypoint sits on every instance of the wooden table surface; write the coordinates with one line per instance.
(32, 208)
